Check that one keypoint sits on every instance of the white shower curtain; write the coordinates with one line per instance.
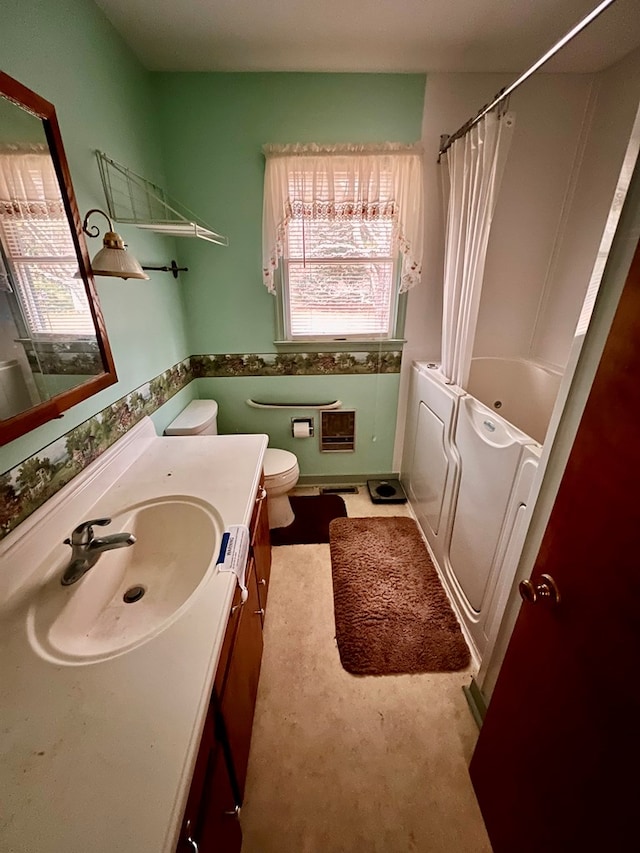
(472, 170)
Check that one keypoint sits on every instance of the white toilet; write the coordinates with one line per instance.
(281, 471)
(281, 474)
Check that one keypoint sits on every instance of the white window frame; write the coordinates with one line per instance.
(19, 267)
(369, 183)
(392, 323)
(43, 191)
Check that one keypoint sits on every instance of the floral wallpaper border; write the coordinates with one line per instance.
(26, 486)
(76, 358)
(295, 364)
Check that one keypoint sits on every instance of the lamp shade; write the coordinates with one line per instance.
(114, 260)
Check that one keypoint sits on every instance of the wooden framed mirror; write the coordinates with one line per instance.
(54, 350)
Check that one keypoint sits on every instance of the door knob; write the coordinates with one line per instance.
(544, 591)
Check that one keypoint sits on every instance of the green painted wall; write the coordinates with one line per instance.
(70, 54)
(208, 130)
(373, 397)
(213, 127)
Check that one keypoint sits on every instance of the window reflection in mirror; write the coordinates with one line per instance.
(47, 338)
(54, 350)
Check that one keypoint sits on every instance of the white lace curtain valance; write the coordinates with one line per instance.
(29, 187)
(344, 182)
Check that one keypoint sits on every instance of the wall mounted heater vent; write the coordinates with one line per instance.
(337, 431)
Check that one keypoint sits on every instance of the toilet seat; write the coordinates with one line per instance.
(278, 463)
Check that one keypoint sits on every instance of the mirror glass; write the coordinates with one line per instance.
(49, 343)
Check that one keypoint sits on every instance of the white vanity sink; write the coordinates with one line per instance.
(103, 702)
(131, 594)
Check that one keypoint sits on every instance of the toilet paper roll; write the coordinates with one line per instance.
(301, 429)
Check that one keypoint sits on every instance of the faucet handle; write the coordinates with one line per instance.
(83, 533)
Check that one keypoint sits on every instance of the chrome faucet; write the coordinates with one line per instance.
(86, 549)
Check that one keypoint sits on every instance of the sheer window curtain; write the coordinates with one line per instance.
(29, 186)
(344, 181)
(472, 171)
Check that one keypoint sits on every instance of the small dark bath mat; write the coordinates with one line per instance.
(311, 523)
(392, 614)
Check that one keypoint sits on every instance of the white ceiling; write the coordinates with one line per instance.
(370, 35)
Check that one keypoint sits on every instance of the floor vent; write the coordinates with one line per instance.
(339, 490)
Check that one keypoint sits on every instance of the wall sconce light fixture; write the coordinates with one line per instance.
(112, 259)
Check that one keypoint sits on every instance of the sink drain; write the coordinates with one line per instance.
(133, 594)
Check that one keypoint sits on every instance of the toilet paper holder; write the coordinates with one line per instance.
(302, 427)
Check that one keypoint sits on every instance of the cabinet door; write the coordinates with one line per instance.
(194, 811)
(241, 684)
(261, 546)
(220, 829)
(227, 644)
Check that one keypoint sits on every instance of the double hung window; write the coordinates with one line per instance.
(339, 279)
(342, 237)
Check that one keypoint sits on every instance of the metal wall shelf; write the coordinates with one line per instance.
(136, 200)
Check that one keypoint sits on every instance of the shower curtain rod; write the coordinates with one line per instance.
(504, 93)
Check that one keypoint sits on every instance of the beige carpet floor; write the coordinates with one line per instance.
(342, 763)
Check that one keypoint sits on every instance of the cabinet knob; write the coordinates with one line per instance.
(237, 606)
(189, 840)
(262, 493)
(262, 582)
(235, 812)
(259, 612)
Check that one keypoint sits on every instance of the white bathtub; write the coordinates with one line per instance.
(521, 391)
(468, 470)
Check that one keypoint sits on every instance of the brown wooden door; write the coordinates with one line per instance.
(557, 761)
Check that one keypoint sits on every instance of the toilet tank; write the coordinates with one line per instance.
(200, 417)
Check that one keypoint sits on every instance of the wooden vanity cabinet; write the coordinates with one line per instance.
(210, 823)
(193, 811)
(220, 830)
(217, 790)
(238, 700)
